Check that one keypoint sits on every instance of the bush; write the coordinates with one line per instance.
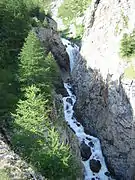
(127, 49)
(129, 72)
(72, 9)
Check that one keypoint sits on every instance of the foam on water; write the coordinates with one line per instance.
(78, 129)
(72, 50)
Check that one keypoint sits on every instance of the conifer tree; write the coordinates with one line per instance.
(37, 67)
(36, 139)
(14, 26)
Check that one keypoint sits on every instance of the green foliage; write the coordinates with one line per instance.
(4, 175)
(36, 140)
(79, 33)
(127, 49)
(37, 67)
(43, 5)
(72, 9)
(35, 72)
(129, 72)
(14, 26)
(32, 112)
(125, 20)
(69, 11)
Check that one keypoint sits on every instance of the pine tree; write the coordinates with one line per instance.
(14, 26)
(32, 112)
(37, 67)
(36, 139)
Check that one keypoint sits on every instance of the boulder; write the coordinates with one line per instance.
(95, 165)
(85, 151)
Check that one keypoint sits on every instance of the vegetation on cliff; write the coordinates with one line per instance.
(127, 52)
(28, 78)
(127, 49)
(70, 12)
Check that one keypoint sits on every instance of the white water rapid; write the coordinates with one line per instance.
(93, 157)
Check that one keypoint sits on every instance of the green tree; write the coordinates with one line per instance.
(127, 49)
(14, 26)
(37, 67)
(36, 139)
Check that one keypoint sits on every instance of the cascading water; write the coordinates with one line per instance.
(92, 157)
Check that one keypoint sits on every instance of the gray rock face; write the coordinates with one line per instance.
(17, 168)
(105, 111)
(52, 43)
(105, 99)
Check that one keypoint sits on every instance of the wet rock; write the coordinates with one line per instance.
(78, 124)
(69, 100)
(67, 107)
(91, 144)
(88, 138)
(68, 111)
(107, 174)
(85, 151)
(95, 165)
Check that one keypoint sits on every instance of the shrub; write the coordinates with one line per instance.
(69, 10)
(129, 72)
(4, 175)
(127, 49)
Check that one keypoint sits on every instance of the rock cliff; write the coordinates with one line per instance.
(51, 41)
(105, 96)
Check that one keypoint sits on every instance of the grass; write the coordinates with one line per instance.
(125, 20)
(129, 72)
(4, 175)
(69, 11)
(72, 9)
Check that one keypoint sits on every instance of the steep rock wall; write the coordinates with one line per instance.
(51, 41)
(105, 100)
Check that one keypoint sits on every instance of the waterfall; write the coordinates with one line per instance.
(91, 153)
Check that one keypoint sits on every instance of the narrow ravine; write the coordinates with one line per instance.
(91, 153)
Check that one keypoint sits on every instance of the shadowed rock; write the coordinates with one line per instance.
(51, 41)
(85, 151)
(95, 165)
(69, 100)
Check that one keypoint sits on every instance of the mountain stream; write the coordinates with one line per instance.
(90, 148)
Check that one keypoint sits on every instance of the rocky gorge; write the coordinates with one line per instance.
(99, 105)
(105, 97)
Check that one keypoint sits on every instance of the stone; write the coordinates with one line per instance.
(51, 42)
(85, 151)
(69, 100)
(105, 101)
(91, 144)
(107, 174)
(95, 165)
